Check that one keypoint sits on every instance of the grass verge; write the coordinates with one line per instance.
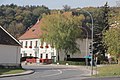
(109, 71)
(11, 71)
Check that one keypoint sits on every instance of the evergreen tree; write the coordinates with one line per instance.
(106, 16)
(99, 48)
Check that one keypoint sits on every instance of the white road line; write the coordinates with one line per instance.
(60, 72)
(69, 69)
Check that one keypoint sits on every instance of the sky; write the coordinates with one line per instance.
(58, 4)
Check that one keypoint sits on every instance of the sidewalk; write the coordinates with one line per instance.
(18, 74)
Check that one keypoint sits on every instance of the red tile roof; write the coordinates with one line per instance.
(33, 33)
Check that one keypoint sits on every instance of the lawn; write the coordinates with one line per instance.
(109, 70)
(11, 71)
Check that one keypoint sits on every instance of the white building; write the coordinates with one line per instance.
(9, 50)
(33, 46)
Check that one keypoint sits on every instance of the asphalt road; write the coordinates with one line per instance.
(53, 72)
(56, 72)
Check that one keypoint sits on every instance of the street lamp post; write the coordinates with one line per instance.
(91, 40)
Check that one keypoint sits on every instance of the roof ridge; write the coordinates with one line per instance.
(33, 33)
(10, 35)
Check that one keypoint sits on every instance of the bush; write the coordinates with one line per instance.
(76, 59)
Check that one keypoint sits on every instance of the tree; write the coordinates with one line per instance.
(62, 30)
(101, 25)
(66, 8)
(114, 15)
(13, 17)
(16, 29)
(112, 40)
(106, 16)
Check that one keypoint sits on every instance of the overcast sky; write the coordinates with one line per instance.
(58, 4)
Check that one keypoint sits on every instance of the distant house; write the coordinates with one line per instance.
(32, 46)
(9, 50)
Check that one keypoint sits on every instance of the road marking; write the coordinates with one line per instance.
(60, 72)
(69, 69)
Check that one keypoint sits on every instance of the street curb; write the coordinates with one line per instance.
(27, 72)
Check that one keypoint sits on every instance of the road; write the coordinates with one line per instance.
(53, 72)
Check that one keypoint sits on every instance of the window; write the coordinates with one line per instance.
(20, 55)
(30, 44)
(30, 54)
(33, 30)
(36, 42)
(46, 56)
(41, 45)
(47, 45)
(26, 44)
(25, 54)
(41, 55)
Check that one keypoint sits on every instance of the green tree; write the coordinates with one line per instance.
(66, 8)
(62, 30)
(13, 17)
(112, 40)
(101, 25)
(114, 15)
(16, 29)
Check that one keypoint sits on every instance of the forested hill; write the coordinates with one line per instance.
(16, 19)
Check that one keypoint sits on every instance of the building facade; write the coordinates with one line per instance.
(34, 47)
(9, 50)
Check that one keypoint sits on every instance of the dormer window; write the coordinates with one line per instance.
(33, 30)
